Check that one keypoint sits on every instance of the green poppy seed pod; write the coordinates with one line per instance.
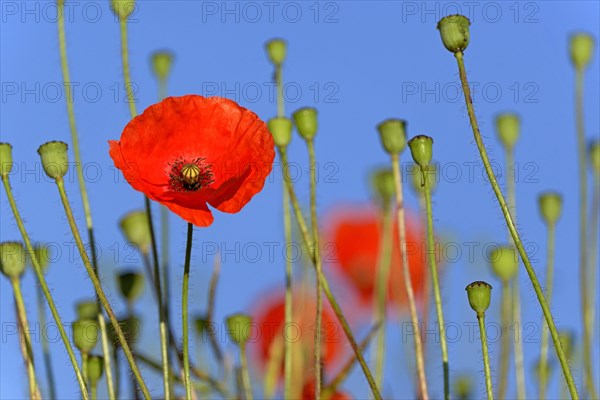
(122, 8)
(95, 369)
(134, 226)
(238, 327)
(131, 284)
(54, 159)
(281, 129)
(418, 183)
(566, 341)
(463, 387)
(276, 50)
(480, 294)
(595, 157)
(6, 160)
(87, 309)
(383, 185)
(161, 64)
(201, 324)
(454, 30)
(306, 122)
(508, 127)
(392, 133)
(550, 207)
(421, 148)
(42, 254)
(12, 259)
(504, 261)
(582, 49)
(85, 334)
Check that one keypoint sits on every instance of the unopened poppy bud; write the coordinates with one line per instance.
(281, 129)
(201, 324)
(504, 262)
(508, 127)
(122, 8)
(161, 64)
(393, 135)
(454, 30)
(418, 182)
(384, 188)
(595, 157)
(95, 369)
(6, 160)
(42, 254)
(87, 309)
(550, 207)
(276, 50)
(12, 259)
(131, 285)
(54, 159)
(306, 122)
(480, 294)
(421, 148)
(566, 341)
(136, 229)
(85, 334)
(463, 387)
(582, 49)
(238, 327)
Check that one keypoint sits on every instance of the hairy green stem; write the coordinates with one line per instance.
(486, 357)
(511, 226)
(184, 312)
(84, 366)
(549, 282)
(45, 346)
(99, 291)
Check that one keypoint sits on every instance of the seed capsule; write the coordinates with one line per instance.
(238, 327)
(12, 259)
(550, 207)
(392, 133)
(54, 159)
(479, 294)
(306, 122)
(454, 30)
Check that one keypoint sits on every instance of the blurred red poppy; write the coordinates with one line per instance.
(308, 393)
(185, 152)
(353, 237)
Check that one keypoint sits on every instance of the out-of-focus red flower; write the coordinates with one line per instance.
(353, 238)
(308, 393)
(190, 151)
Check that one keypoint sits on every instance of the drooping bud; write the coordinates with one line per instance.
(383, 185)
(392, 133)
(281, 129)
(306, 122)
(136, 229)
(161, 64)
(276, 50)
(238, 327)
(122, 8)
(508, 127)
(12, 259)
(581, 49)
(131, 284)
(95, 369)
(421, 148)
(54, 159)
(454, 30)
(85, 334)
(6, 160)
(595, 157)
(504, 261)
(87, 309)
(480, 295)
(550, 207)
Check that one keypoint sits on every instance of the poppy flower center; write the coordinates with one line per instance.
(190, 176)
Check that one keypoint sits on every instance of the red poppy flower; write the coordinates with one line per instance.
(354, 235)
(187, 152)
(308, 393)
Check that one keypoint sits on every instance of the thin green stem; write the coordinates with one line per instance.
(131, 101)
(44, 286)
(99, 291)
(184, 312)
(318, 264)
(511, 226)
(245, 372)
(212, 295)
(435, 283)
(94, 390)
(306, 237)
(549, 283)
(45, 346)
(486, 357)
(24, 328)
(505, 316)
(279, 85)
(406, 275)
(590, 316)
(84, 367)
(117, 371)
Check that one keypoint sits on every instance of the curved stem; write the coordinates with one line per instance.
(408, 286)
(435, 283)
(325, 284)
(486, 357)
(245, 372)
(99, 291)
(511, 226)
(549, 282)
(44, 286)
(318, 264)
(184, 312)
(45, 345)
(26, 337)
(505, 341)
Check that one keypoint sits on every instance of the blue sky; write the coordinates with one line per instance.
(359, 63)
